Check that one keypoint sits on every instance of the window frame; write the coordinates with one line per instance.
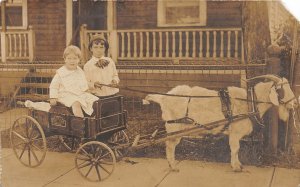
(24, 14)
(161, 14)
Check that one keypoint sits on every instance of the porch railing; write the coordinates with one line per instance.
(17, 45)
(168, 44)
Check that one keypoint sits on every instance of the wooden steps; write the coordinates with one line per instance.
(32, 97)
(34, 87)
(41, 74)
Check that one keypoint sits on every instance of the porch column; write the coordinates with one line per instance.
(3, 47)
(31, 43)
(111, 28)
(3, 38)
(69, 21)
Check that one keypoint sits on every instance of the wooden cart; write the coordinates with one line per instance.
(98, 136)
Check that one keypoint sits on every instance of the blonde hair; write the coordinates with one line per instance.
(72, 49)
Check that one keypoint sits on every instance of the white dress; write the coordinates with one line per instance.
(69, 86)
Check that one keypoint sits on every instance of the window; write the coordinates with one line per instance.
(181, 13)
(16, 14)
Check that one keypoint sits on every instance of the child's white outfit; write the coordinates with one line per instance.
(103, 75)
(43, 106)
(69, 86)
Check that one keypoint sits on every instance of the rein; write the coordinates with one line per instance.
(284, 103)
(176, 95)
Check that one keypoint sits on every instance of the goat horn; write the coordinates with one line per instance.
(269, 76)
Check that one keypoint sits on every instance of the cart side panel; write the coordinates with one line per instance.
(90, 127)
(60, 123)
(110, 115)
(77, 126)
(109, 106)
(41, 117)
(112, 123)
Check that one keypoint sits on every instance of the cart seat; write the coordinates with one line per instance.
(62, 109)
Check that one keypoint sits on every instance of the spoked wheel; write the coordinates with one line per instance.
(70, 143)
(28, 141)
(118, 138)
(95, 161)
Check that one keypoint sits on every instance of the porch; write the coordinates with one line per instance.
(17, 45)
(211, 46)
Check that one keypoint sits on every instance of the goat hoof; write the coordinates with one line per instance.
(237, 169)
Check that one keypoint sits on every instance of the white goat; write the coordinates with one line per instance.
(206, 110)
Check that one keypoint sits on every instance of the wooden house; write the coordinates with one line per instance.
(150, 41)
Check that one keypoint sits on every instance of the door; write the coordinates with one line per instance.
(93, 13)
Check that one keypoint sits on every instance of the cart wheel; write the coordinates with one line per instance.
(116, 139)
(70, 143)
(95, 161)
(28, 141)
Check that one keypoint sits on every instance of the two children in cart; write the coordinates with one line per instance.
(79, 89)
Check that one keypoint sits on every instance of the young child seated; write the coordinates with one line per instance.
(69, 85)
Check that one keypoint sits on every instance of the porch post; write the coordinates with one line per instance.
(31, 42)
(3, 47)
(69, 21)
(111, 28)
(3, 38)
(243, 78)
(83, 42)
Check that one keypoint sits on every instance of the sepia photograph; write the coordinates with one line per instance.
(150, 93)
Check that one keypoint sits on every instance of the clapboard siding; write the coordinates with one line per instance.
(48, 18)
(143, 14)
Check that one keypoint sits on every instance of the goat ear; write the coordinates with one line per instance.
(274, 97)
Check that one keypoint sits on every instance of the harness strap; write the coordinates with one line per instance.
(226, 104)
(281, 102)
(252, 108)
(186, 119)
(187, 108)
